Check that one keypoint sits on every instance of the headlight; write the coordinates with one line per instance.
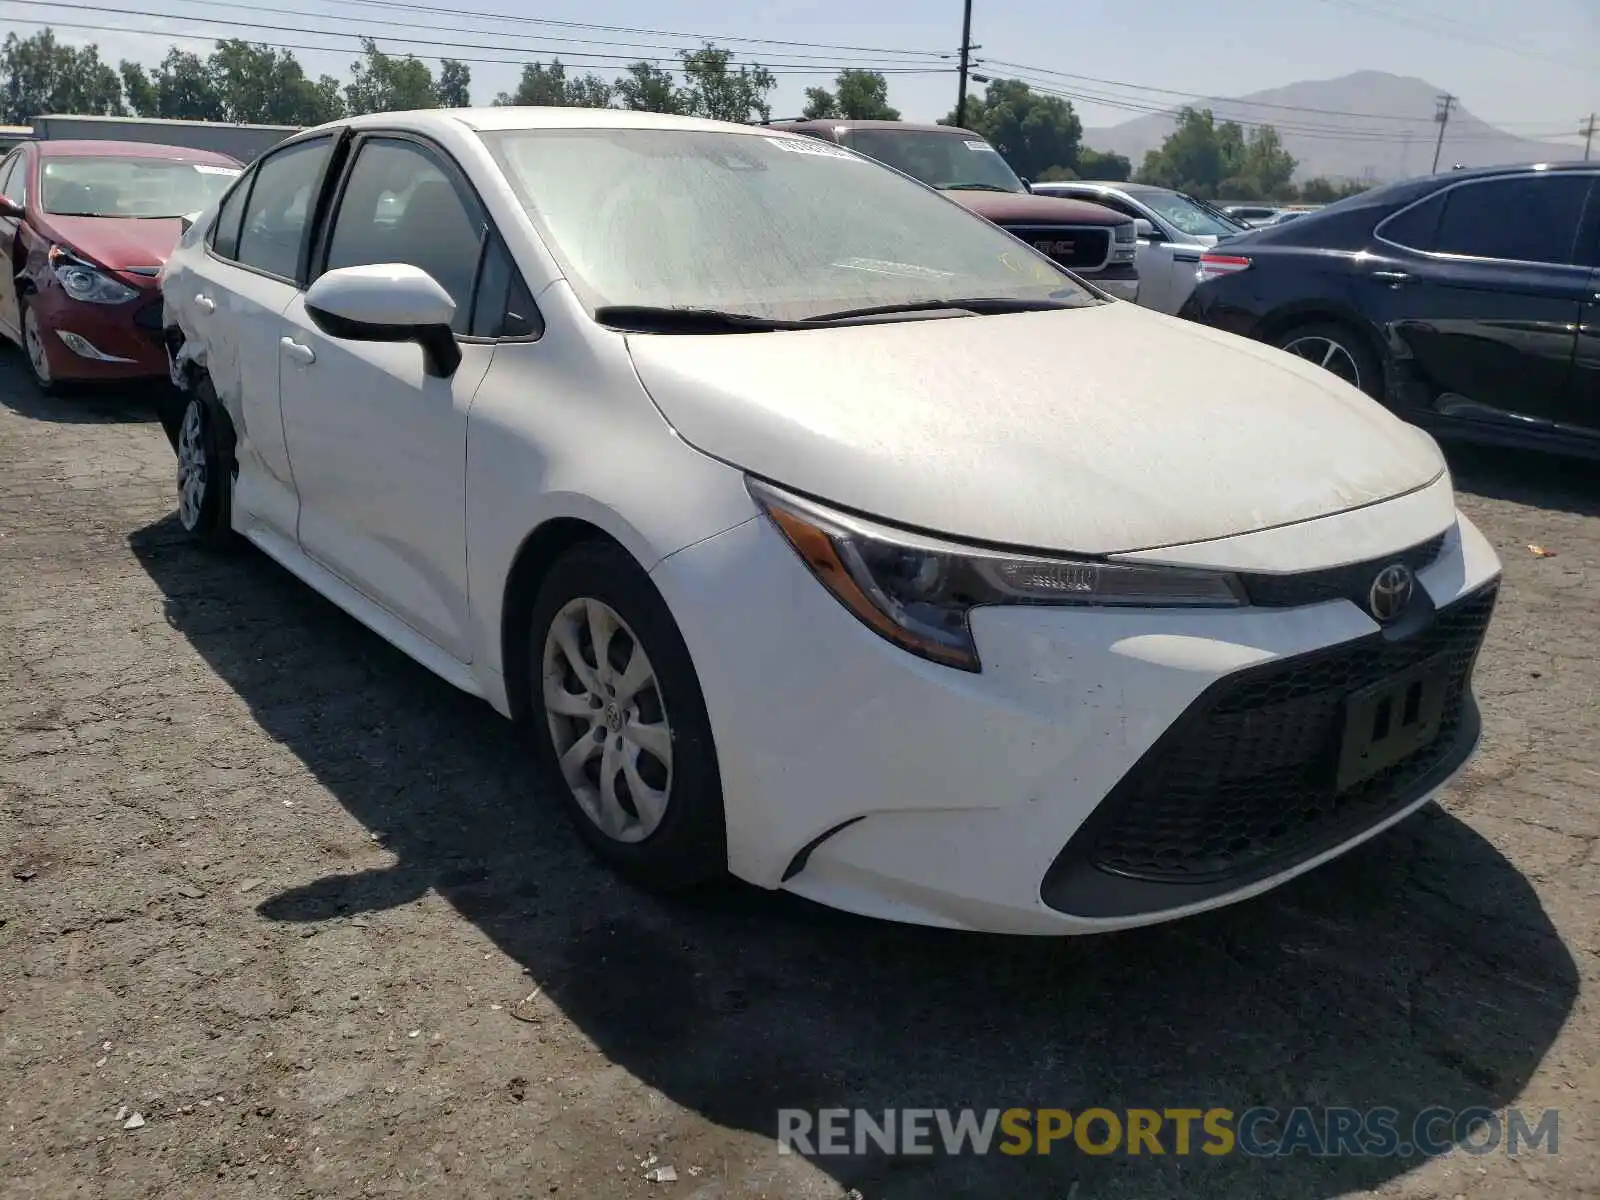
(85, 282)
(917, 592)
(1125, 232)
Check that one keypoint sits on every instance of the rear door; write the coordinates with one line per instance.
(1583, 401)
(12, 172)
(230, 305)
(1481, 284)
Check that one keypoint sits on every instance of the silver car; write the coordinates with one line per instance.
(1173, 231)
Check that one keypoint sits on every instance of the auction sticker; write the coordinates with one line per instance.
(805, 145)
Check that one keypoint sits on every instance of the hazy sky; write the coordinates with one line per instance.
(1531, 67)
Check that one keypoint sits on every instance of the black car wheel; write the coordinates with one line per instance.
(1338, 350)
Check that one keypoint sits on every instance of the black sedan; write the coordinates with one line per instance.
(1469, 302)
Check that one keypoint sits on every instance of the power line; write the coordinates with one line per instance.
(1312, 132)
(435, 10)
(1587, 130)
(552, 44)
(354, 36)
(1453, 28)
(1190, 96)
(776, 69)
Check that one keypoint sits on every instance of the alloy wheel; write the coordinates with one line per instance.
(608, 724)
(191, 466)
(33, 342)
(1327, 354)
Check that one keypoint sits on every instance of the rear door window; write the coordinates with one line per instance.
(1524, 218)
(225, 229)
(275, 216)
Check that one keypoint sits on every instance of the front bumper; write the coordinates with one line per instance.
(99, 342)
(868, 779)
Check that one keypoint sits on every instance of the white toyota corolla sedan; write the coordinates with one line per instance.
(817, 530)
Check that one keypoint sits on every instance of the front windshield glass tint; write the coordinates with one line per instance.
(130, 187)
(1187, 216)
(941, 160)
(777, 226)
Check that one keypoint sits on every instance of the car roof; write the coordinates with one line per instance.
(76, 148)
(898, 126)
(530, 117)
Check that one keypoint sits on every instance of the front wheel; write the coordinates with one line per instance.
(205, 474)
(1339, 350)
(620, 721)
(33, 343)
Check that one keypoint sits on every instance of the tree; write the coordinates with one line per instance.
(550, 86)
(1104, 165)
(647, 88)
(1033, 132)
(183, 88)
(258, 84)
(716, 92)
(455, 84)
(860, 96)
(1212, 160)
(42, 75)
(385, 83)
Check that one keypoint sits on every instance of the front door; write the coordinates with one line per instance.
(378, 446)
(13, 173)
(1488, 307)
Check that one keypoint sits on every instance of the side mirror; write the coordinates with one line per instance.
(1144, 228)
(388, 302)
(9, 208)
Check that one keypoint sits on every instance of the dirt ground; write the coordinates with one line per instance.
(282, 895)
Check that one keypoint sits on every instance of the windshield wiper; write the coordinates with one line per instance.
(975, 187)
(646, 318)
(979, 305)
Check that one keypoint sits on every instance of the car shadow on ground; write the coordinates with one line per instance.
(1530, 477)
(75, 404)
(1419, 971)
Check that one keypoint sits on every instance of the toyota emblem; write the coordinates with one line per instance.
(1391, 592)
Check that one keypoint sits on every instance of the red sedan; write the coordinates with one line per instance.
(86, 227)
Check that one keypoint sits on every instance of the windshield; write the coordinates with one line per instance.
(777, 226)
(130, 187)
(1188, 216)
(941, 160)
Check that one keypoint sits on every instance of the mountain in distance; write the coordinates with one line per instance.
(1401, 128)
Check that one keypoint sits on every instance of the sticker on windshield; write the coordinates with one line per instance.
(806, 145)
(980, 146)
(208, 169)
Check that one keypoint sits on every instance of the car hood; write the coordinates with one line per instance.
(120, 243)
(1094, 430)
(1024, 208)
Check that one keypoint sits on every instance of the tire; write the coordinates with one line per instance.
(33, 336)
(205, 470)
(676, 840)
(1340, 349)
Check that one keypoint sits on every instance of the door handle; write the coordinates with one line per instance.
(1392, 278)
(205, 303)
(297, 351)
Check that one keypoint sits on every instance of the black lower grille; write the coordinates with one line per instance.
(150, 317)
(1245, 783)
(1336, 583)
(1084, 247)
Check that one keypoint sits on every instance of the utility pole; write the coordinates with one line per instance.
(1588, 134)
(966, 61)
(1446, 103)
